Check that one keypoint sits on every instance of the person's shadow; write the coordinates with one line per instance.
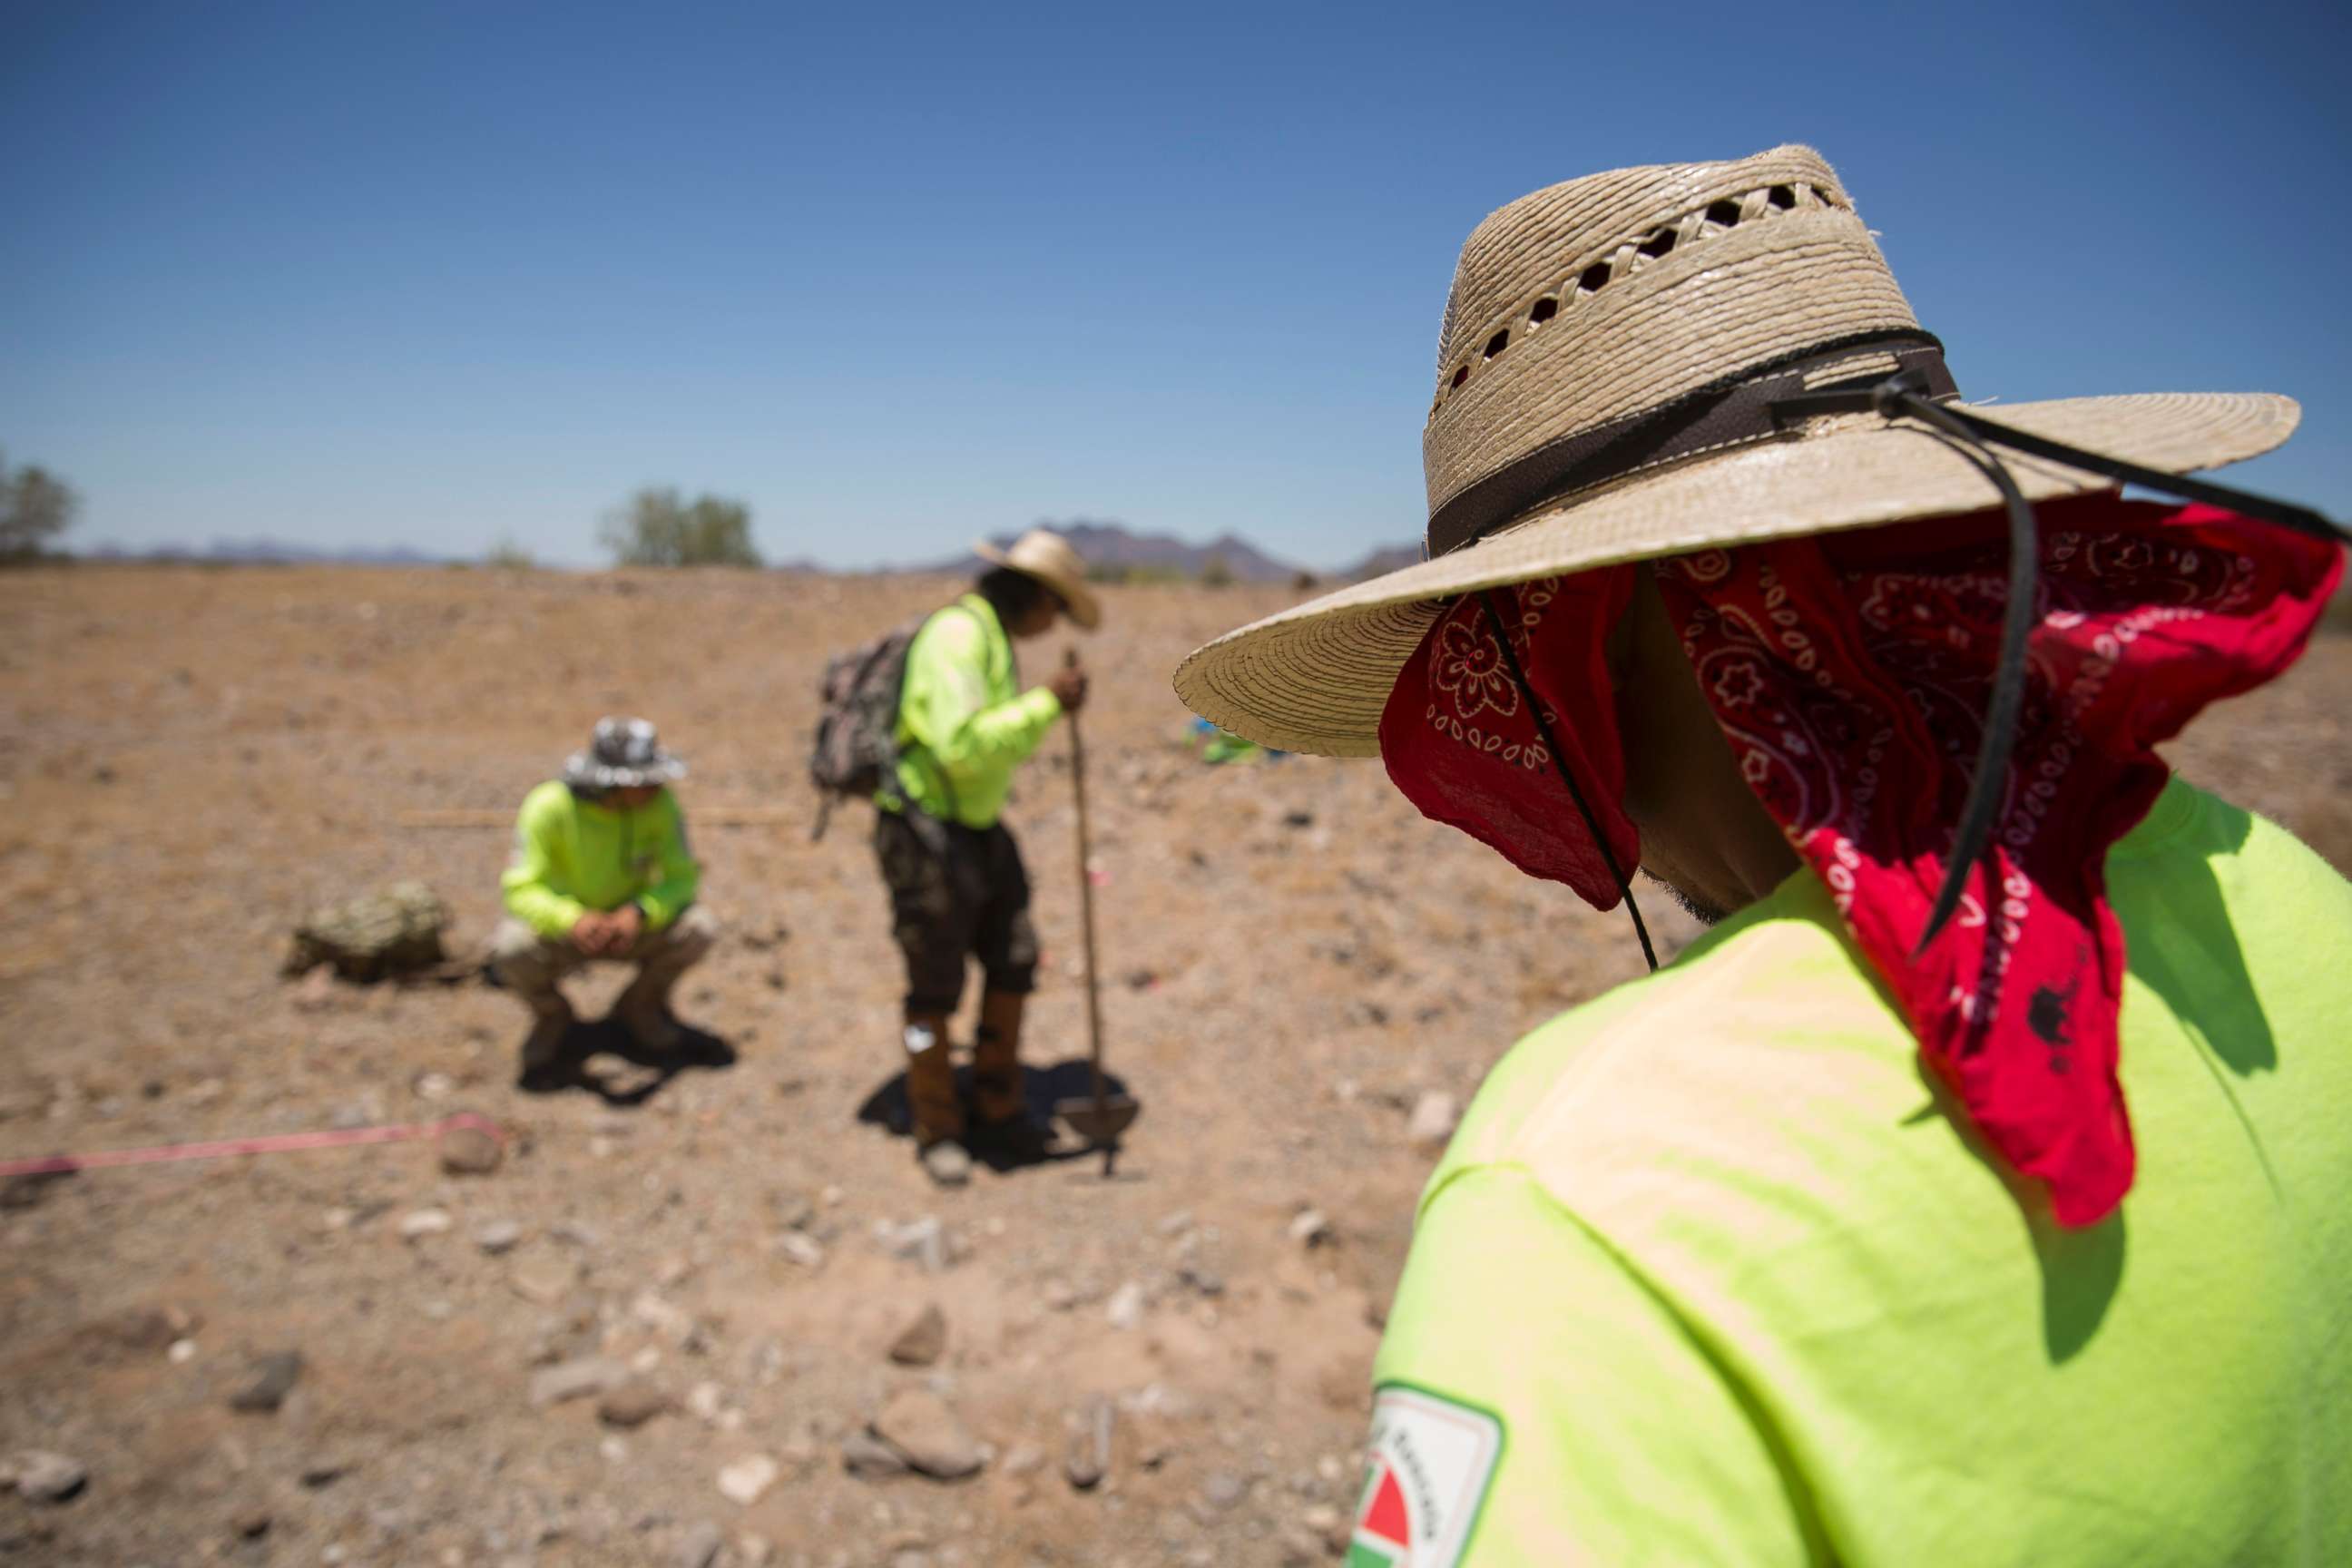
(1003, 1150)
(642, 1073)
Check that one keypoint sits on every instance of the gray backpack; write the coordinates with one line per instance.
(856, 751)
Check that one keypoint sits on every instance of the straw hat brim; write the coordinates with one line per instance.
(1315, 678)
(1085, 609)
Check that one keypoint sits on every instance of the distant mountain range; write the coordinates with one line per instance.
(1112, 547)
(1108, 547)
(263, 551)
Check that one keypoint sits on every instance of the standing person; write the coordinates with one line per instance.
(1973, 1191)
(602, 872)
(957, 889)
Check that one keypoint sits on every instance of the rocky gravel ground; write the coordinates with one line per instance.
(707, 1310)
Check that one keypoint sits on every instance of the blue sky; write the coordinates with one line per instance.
(899, 274)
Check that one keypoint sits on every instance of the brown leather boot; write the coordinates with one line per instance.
(931, 1101)
(996, 1089)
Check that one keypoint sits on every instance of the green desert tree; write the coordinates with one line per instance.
(657, 528)
(35, 508)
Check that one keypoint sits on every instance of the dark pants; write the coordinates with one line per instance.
(956, 893)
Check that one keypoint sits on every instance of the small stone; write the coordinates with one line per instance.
(1126, 1308)
(436, 1086)
(545, 1280)
(869, 1459)
(1225, 1490)
(923, 1241)
(1323, 1519)
(1435, 1116)
(1310, 1229)
(918, 1424)
(498, 1236)
(423, 1223)
(316, 993)
(702, 1546)
(1207, 1281)
(633, 1404)
(705, 1401)
(182, 1353)
(1090, 1445)
(252, 1523)
(1176, 1223)
(575, 1380)
(44, 1477)
(1025, 1459)
(274, 1376)
(922, 1342)
(321, 1473)
(756, 1550)
(747, 1480)
(799, 1247)
(469, 1151)
(794, 1210)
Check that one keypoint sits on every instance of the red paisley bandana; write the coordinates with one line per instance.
(1850, 673)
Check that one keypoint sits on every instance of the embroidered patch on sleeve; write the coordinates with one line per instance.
(1431, 1461)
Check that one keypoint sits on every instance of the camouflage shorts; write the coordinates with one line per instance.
(956, 893)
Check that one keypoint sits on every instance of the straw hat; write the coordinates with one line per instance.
(623, 753)
(1606, 372)
(1048, 557)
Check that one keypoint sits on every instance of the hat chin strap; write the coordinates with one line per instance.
(1906, 395)
(1560, 766)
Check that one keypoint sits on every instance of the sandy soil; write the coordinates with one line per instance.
(192, 759)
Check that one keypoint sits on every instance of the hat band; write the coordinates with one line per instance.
(1736, 411)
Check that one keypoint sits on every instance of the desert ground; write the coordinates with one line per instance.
(714, 1256)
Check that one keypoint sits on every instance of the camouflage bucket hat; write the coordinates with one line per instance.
(623, 755)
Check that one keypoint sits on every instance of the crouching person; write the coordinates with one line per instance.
(602, 871)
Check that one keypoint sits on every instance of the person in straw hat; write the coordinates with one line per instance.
(602, 872)
(1972, 1190)
(958, 888)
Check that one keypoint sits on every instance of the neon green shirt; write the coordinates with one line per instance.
(572, 856)
(964, 723)
(1712, 1274)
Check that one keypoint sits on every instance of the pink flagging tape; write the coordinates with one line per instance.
(276, 1143)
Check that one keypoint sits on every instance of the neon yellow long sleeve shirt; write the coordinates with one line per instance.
(1714, 1273)
(964, 723)
(572, 856)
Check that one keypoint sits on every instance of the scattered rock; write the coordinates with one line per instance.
(40, 1475)
(1310, 1229)
(252, 1523)
(799, 1247)
(1176, 1223)
(924, 1241)
(1126, 1308)
(869, 1459)
(316, 993)
(794, 1210)
(1225, 1490)
(326, 1472)
(702, 1546)
(756, 1550)
(469, 1151)
(633, 1404)
(922, 1342)
(1025, 1459)
(747, 1480)
(423, 1223)
(1300, 817)
(575, 1380)
(1090, 1439)
(1434, 1116)
(1207, 1281)
(918, 1424)
(274, 1376)
(498, 1236)
(545, 1280)
(706, 1402)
